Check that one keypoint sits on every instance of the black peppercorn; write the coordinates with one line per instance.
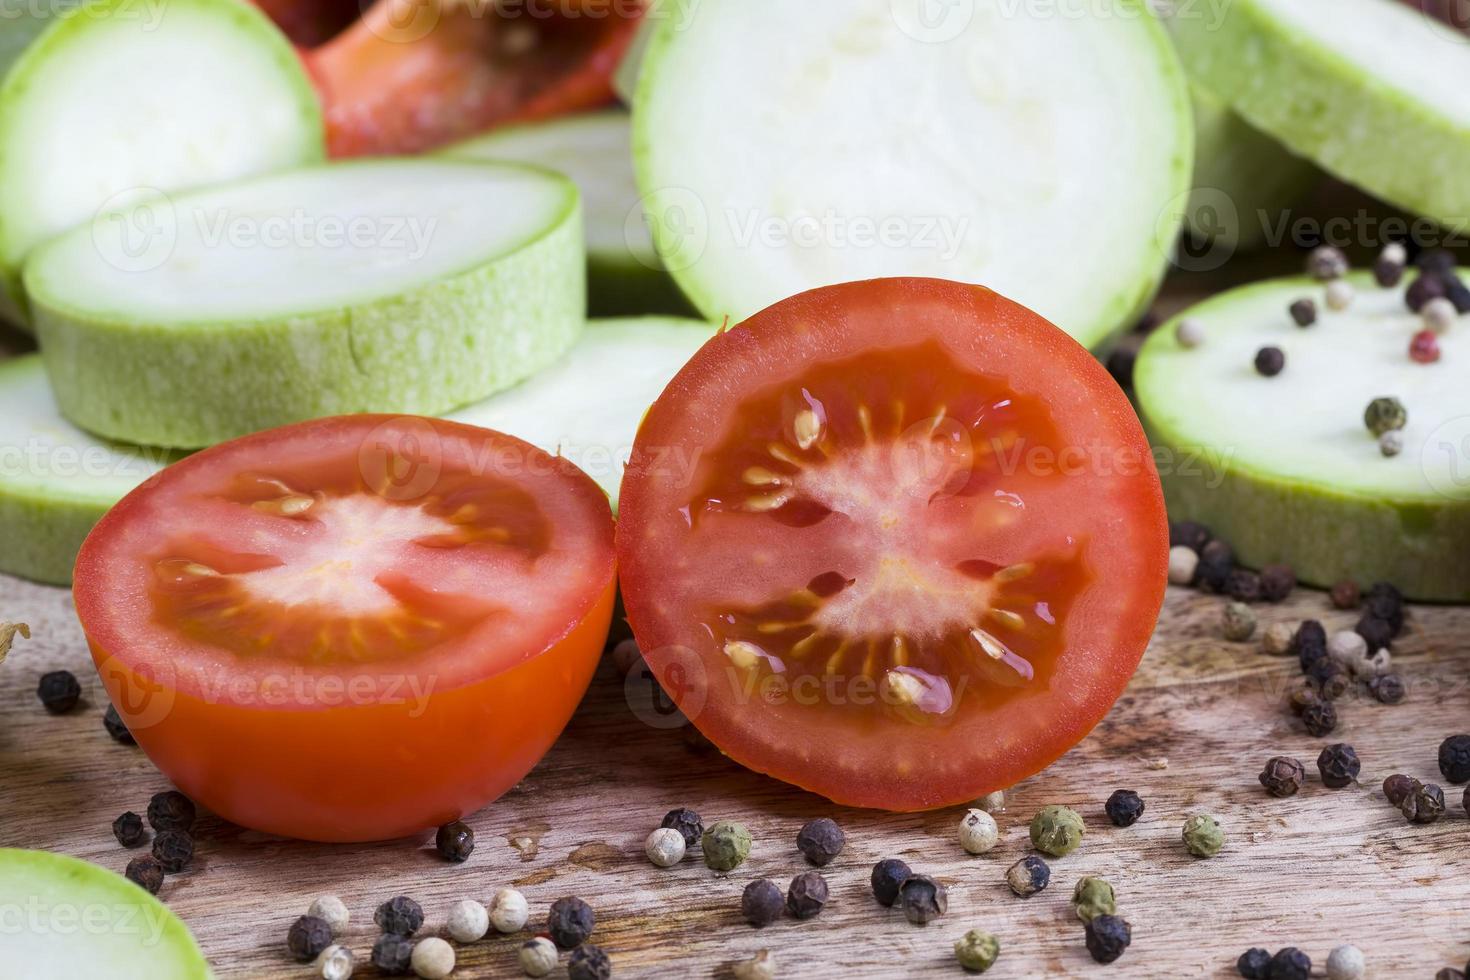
(761, 903)
(1449, 973)
(1283, 776)
(112, 721)
(59, 691)
(1189, 534)
(570, 922)
(1107, 937)
(1387, 688)
(1345, 595)
(1320, 718)
(1303, 312)
(1290, 964)
(1339, 765)
(1124, 808)
(686, 822)
(1459, 294)
(1454, 758)
(128, 829)
(1243, 585)
(392, 954)
(1424, 805)
(821, 840)
(1398, 787)
(400, 916)
(1385, 605)
(1216, 562)
(307, 937)
(1254, 964)
(1309, 643)
(589, 962)
(923, 899)
(887, 878)
(171, 810)
(1028, 876)
(1277, 582)
(173, 849)
(455, 841)
(1330, 678)
(1376, 632)
(1270, 361)
(146, 873)
(1424, 289)
(807, 895)
(1388, 273)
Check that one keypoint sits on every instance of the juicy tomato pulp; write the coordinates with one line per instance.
(354, 628)
(413, 75)
(898, 542)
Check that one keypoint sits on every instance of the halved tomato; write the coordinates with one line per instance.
(898, 542)
(354, 628)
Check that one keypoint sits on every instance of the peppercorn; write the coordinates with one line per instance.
(761, 903)
(1189, 332)
(1216, 562)
(1107, 937)
(128, 829)
(1277, 582)
(1270, 361)
(337, 963)
(1302, 697)
(1387, 603)
(1183, 563)
(1283, 776)
(538, 956)
(171, 810)
(1203, 835)
(1290, 964)
(1326, 263)
(1378, 633)
(887, 878)
(1390, 444)
(393, 954)
(1028, 876)
(664, 847)
(1340, 295)
(686, 822)
(1320, 718)
(146, 873)
(1093, 897)
(1189, 534)
(1348, 649)
(509, 910)
(978, 832)
(821, 840)
(1309, 643)
(1237, 622)
(307, 937)
(112, 721)
(1057, 830)
(807, 895)
(455, 841)
(1439, 315)
(992, 802)
(1438, 261)
(1331, 680)
(1385, 415)
(1346, 595)
(468, 921)
(1423, 289)
(59, 691)
(589, 963)
(1346, 963)
(1124, 807)
(570, 922)
(1398, 787)
(1459, 295)
(174, 849)
(761, 966)
(1254, 964)
(1339, 765)
(1424, 805)
(432, 958)
(726, 845)
(1276, 641)
(1449, 973)
(1454, 758)
(923, 899)
(1388, 274)
(977, 951)
(400, 916)
(1303, 312)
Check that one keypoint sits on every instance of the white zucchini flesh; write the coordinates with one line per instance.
(587, 407)
(1046, 157)
(377, 285)
(116, 100)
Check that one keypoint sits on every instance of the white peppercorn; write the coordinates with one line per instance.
(1183, 561)
(336, 963)
(1348, 649)
(538, 957)
(1379, 664)
(1277, 639)
(993, 802)
(509, 911)
(665, 847)
(432, 959)
(761, 966)
(978, 832)
(1439, 314)
(1396, 253)
(1340, 295)
(1391, 443)
(468, 921)
(331, 910)
(1189, 332)
(1346, 963)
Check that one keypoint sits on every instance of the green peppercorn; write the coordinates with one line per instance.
(977, 951)
(1203, 836)
(1238, 622)
(1093, 897)
(726, 845)
(1385, 415)
(1057, 830)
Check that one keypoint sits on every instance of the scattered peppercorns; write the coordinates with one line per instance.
(393, 954)
(1346, 595)
(1454, 759)
(1398, 787)
(1237, 622)
(887, 878)
(1124, 807)
(1057, 830)
(1093, 897)
(509, 910)
(761, 903)
(337, 963)
(1276, 641)
(820, 841)
(1388, 274)
(1183, 563)
(146, 873)
(1303, 312)
(59, 691)
(1203, 836)
(128, 829)
(1277, 582)
(1339, 765)
(589, 963)
(1254, 964)
(1385, 415)
(455, 841)
(1108, 936)
(1189, 332)
(432, 958)
(538, 956)
(1346, 963)
(468, 921)
(686, 822)
(807, 895)
(116, 727)
(1326, 263)
(1424, 805)
(307, 938)
(923, 899)
(400, 916)
(664, 847)
(1270, 361)
(1283, 776)
(570, 922)
(977, 951)
(1320, 718)
(1340, 295)
(1290, 964)
(1244, 585)
(171, 810)
(978, 832)
(173, 849)
(1028, 876)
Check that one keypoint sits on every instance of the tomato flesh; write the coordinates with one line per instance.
(351, 629)
(913, 558)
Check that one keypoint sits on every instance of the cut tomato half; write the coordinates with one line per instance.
(898, 542)
(413, 75)
(354, 628)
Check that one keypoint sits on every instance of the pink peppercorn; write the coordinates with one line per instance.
(1424, 348)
